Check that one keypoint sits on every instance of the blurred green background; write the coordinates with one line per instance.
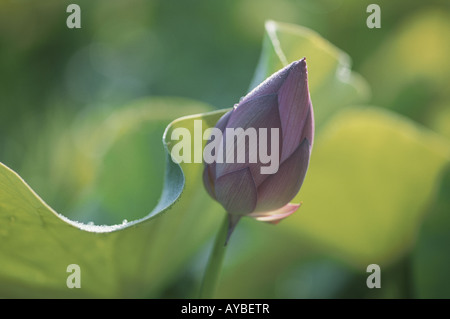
(55, 81)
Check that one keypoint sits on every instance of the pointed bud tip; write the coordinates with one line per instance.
(301, 65)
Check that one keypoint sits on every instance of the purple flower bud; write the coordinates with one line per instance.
(282, 102)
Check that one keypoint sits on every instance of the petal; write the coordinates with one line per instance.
(294, 104)
(236, 192)
(257, 112)
(275, 216)
(223, 121)
(270, 86)
(280, 188)
(261, 112)
(308, 130)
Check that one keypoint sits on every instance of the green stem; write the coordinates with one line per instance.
(213, 269)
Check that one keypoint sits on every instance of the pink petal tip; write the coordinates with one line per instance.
(275, 216)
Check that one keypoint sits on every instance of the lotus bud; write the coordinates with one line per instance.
(281, 107)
